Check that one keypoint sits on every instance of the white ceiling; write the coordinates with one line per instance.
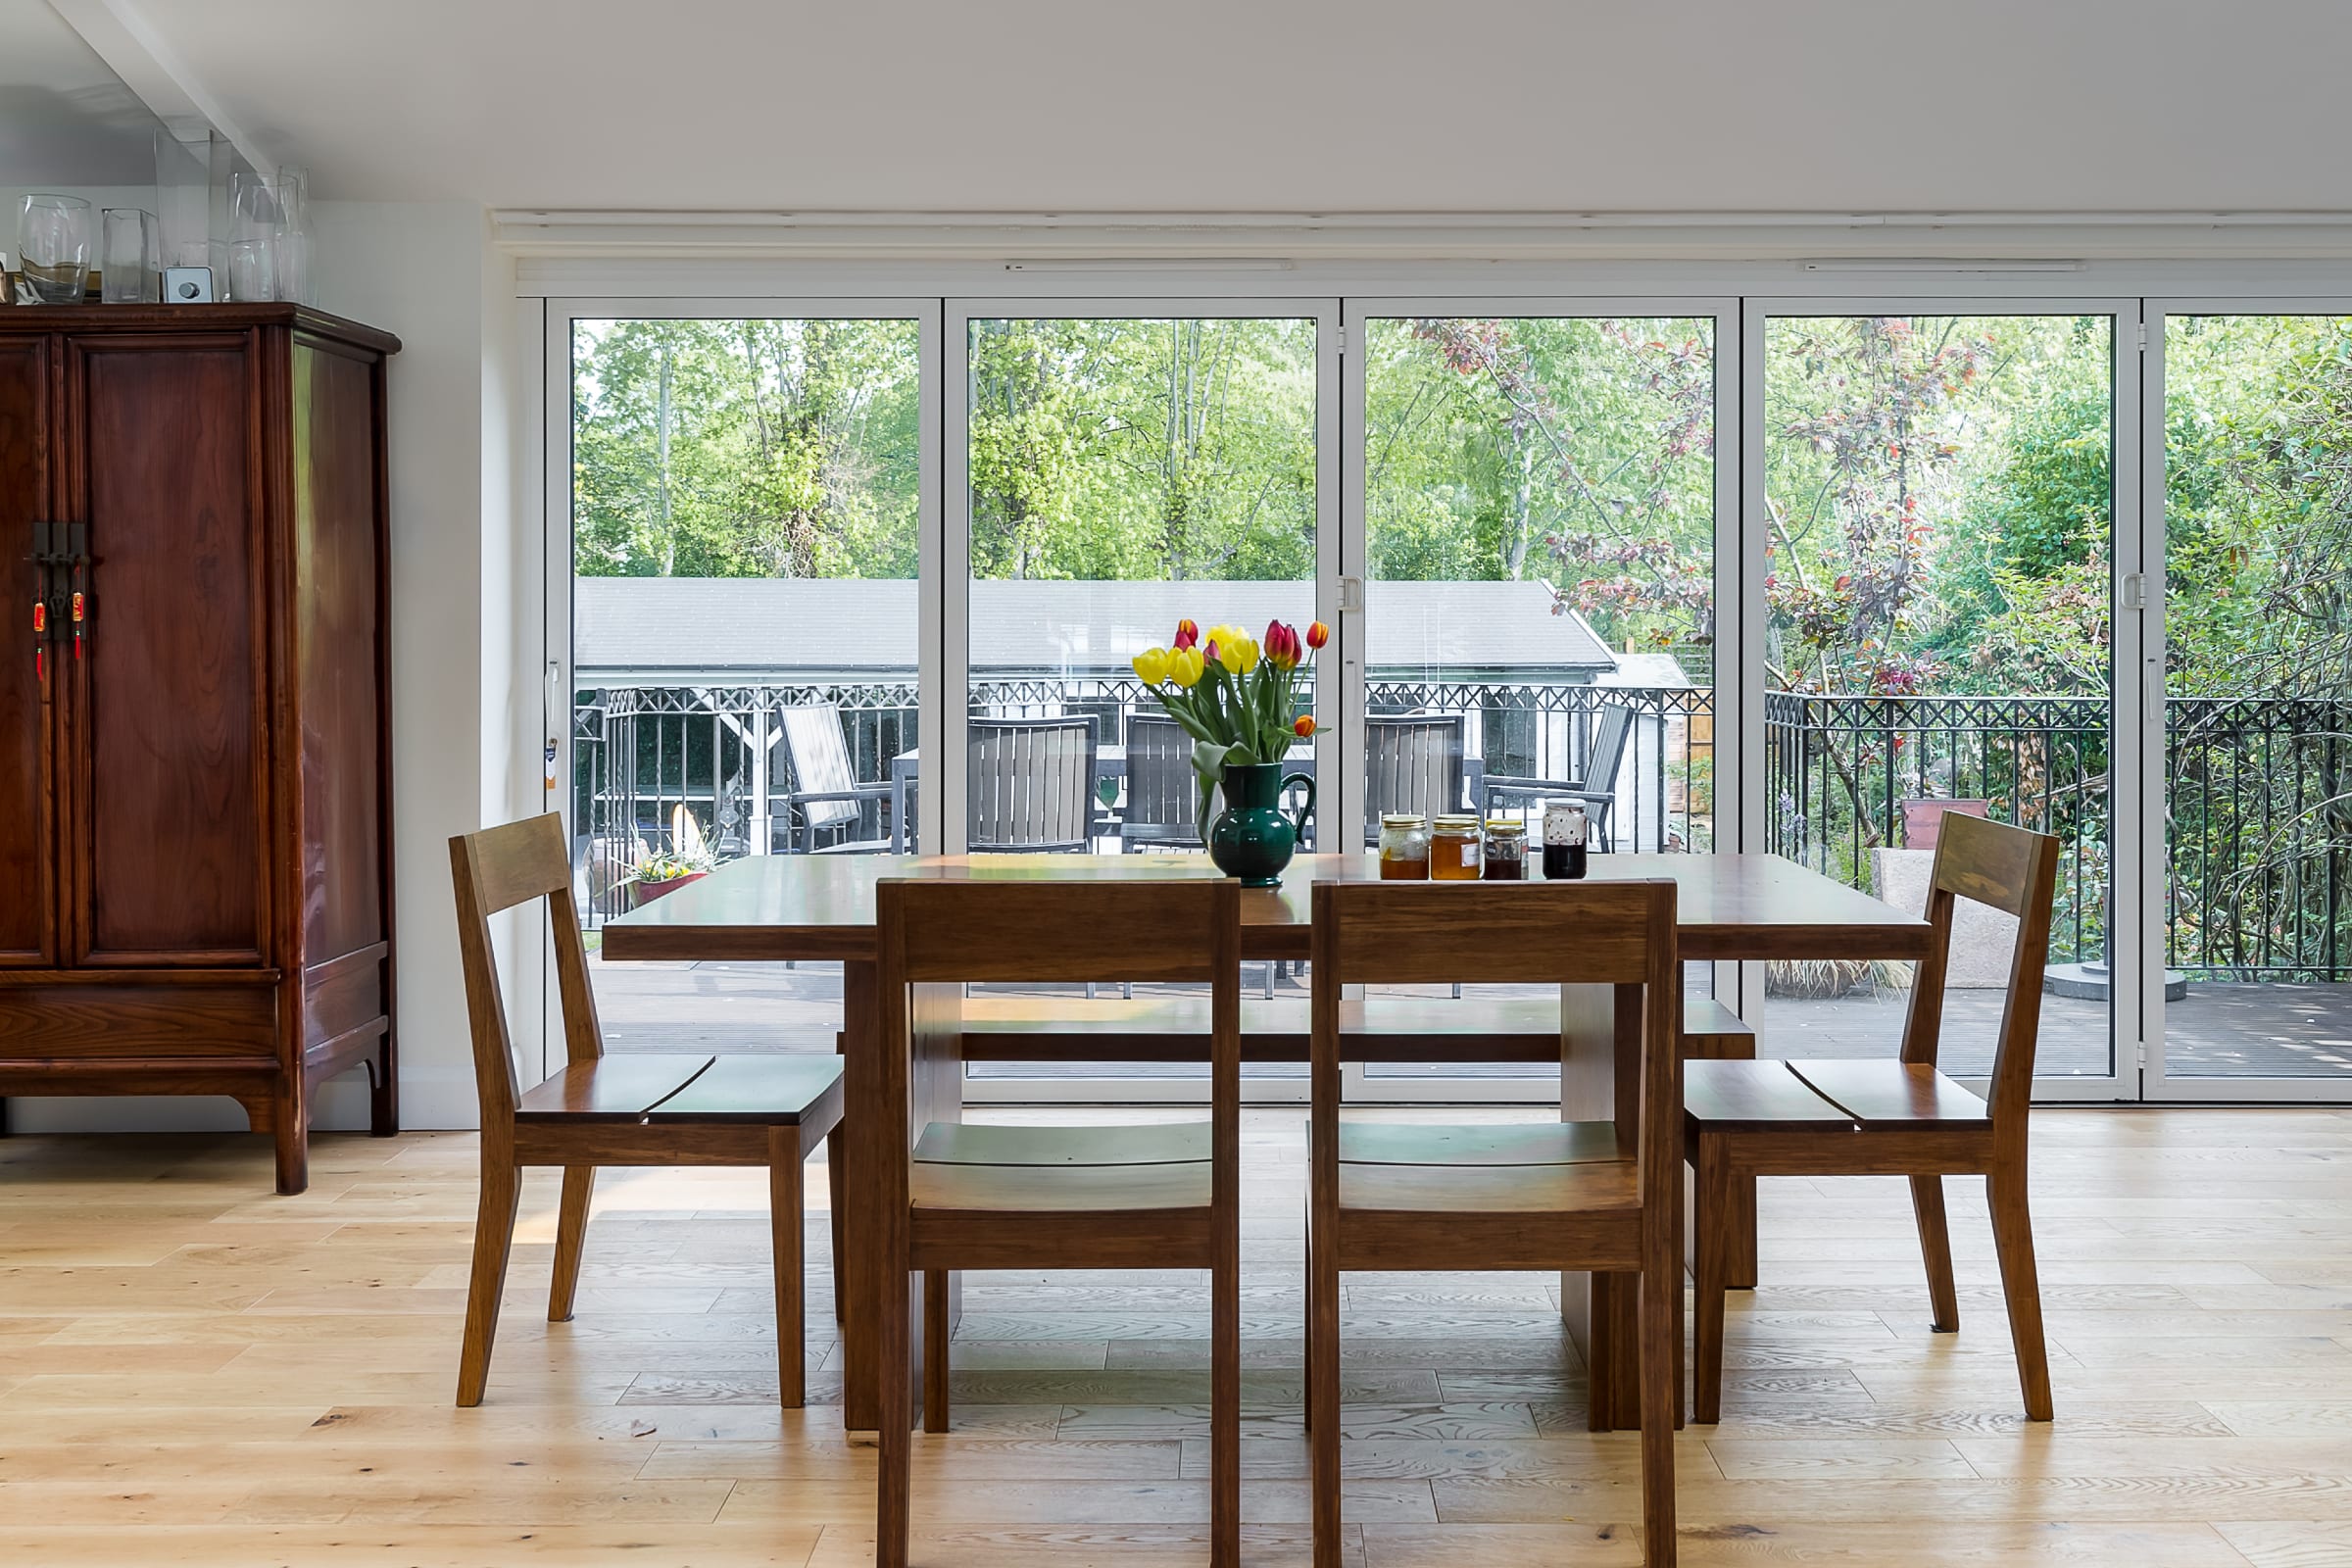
(64, 117)
(1288, 105)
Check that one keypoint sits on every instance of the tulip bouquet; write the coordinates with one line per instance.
(1237, 697)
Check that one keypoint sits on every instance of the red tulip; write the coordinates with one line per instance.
(1317, 634)
(1187, 634)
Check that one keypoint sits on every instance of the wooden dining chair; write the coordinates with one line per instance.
(1894, 1116)
(653, 1109)
(1057, 1198)
(1550, 1196)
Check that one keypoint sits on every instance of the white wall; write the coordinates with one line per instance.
(425, 272)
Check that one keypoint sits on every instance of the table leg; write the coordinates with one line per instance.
(878, 1133)
(1600, 1080)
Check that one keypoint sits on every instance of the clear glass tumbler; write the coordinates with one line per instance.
(253, 269)
(53, 246)
(129, 256)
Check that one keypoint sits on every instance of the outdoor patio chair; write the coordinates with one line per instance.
(1597, 787)
(1413, 763)
(827, 791)
(1030, 786)
(1162, 793)
(1893, 1117)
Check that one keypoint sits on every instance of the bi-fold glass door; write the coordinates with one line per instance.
(1944, 553)
(1114, 468)
(2247, 452)
(744, 499)
(1543, 528)
(1963, 556)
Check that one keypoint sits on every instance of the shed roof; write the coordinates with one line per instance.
(653, 629)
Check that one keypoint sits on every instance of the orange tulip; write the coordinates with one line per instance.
(1317, 634)
(1303, 726)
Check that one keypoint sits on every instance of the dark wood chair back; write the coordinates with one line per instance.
(1565, 933)
(951, 932)
(495, 871)
(1413, 763)
(2016, 871)
(1030, 784)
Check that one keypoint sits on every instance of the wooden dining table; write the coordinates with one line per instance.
(816, 907)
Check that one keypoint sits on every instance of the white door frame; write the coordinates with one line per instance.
(2127, 754)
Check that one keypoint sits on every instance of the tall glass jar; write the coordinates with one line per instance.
(1403, 848)
(1454, 850)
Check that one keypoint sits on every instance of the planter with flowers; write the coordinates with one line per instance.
(1237, 697)
(658, 873)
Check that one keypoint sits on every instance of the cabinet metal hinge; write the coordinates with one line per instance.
(1339, 339)
(2143, 337)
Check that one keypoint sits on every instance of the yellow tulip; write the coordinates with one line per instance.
(1225, 636)
(1185, 667)
(1239, 655)
(1152, 667)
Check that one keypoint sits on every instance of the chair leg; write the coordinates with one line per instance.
(493, 1240)
(1661, 1400)
(837, 1169)
(1712, 1184)
(894, 1354)
(935, 1349)
(1307, 1317)
(785, 1220)
(2013, 1241)
(1323, 1395)
(571, 1239)
(1225, 1405)
(1740, 1271)
(1935, 1245)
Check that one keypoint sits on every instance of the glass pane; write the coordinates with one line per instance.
(1539, 537)
(1124, 474)
(2258, 697)
(745, 497)
(1939, 494)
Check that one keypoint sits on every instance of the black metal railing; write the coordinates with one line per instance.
(2257, 825)
(638, 753)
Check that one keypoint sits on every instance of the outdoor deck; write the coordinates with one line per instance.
(2222, 1031)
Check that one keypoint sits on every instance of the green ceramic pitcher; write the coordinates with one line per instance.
(1252, 839)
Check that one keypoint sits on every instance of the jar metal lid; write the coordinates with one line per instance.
(1400, 819)
(1462, 824)
(1505, 824)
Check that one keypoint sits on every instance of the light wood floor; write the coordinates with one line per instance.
(195, 1372)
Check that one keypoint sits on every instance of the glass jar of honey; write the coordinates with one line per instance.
(1403, 848)
(1505, 849)
(1454, 850)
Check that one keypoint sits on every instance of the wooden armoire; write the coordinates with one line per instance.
(195, 762)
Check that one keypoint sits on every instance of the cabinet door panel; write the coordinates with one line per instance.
(170, 710)
(27, 861)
